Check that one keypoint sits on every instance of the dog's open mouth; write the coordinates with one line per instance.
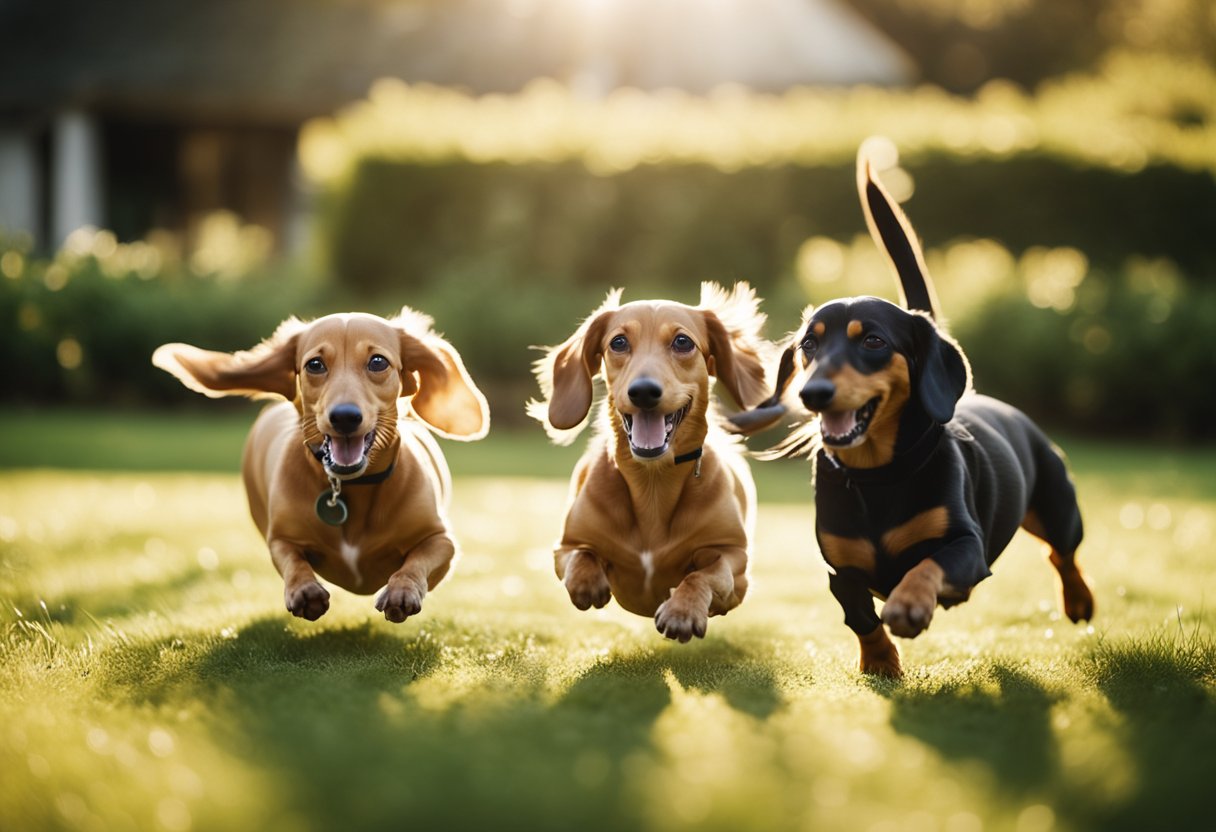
(650, 432)
(344, 456)
(845, 428)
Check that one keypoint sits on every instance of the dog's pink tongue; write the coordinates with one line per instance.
(346, 450)
(649, 430)
(839, 423)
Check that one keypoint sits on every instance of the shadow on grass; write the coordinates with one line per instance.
(638, 680)
(1162, 692)
(413, 717)
(1002, 721)
(1163, 689)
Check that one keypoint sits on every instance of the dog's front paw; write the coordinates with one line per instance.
(909, 609)
(587, 584)
(680, 620)
(879, 655)
(308, 600)
(400, 600)
(908, 613)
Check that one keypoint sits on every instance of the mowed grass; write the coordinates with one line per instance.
(151, 679)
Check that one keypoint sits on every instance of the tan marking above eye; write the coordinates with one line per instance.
(854, 329)
(928, 525)
(818, 328)
(842, 552)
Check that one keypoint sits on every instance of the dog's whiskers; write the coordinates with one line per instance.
(386, 424)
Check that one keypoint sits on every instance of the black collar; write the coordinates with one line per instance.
(905, 463)
(689, 457)
(372, 479)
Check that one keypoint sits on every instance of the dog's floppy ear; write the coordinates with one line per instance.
(942, 373)
(445, 397)
(736, 350)
(765, 414)
(269, 369)
(566, 373)
(768, 412)
(890, 228)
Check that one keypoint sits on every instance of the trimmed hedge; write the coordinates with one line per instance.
(76, 330)
(397, 224)
(1128, 358)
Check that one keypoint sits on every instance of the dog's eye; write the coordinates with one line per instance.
(682, 343)
(619, 344)
(809, 344)
(315, 366)
(377, 364)
(873, 342)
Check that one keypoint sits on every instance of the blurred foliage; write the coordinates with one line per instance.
(81, 327)
(658, 228)
(958, 44)
(1135, 110)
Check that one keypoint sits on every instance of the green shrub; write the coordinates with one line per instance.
(1134, 355)
(656, 189)
(657, 226)
(82, 327)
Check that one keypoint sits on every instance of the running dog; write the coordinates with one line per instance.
(920, 483)
(343, 478)
(662, 504)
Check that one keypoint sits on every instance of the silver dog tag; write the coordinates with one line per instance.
(331, 509)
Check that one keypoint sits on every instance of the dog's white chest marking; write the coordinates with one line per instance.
(350, 554)
(648, 566)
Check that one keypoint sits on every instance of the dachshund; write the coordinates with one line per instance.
(343, 478)
(920, 483)
(661, 508)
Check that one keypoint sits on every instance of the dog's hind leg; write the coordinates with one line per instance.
(1077, 598)
(1055, 518)
(424, 567)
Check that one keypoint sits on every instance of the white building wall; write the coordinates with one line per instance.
(76, 198)
(20, 200)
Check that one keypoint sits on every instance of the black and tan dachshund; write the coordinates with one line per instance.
(919, 482)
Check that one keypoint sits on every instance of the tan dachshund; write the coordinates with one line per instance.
(661, 509)
(343, 478)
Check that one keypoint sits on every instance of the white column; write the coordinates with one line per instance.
(299, 209)
(75, 174)
(19, 196)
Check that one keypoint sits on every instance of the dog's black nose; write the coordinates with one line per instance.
(818, 393)
(645, 393)
(345, 418)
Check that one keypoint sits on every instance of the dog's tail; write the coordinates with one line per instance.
(891, 230)
(893, 233)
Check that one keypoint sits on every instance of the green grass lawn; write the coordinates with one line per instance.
(151, 680)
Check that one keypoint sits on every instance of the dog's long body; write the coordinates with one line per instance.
(661, 505)
(958, 497)
(363, 394)
(919, 483)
